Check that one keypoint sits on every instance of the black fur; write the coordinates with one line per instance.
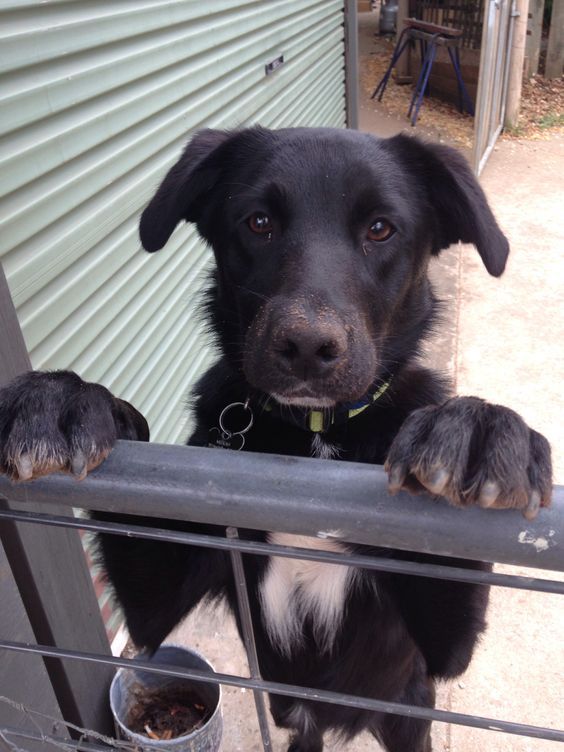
(327, 300)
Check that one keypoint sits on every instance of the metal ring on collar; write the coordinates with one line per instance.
(245, 406)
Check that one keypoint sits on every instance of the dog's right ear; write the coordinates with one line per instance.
(183, 190)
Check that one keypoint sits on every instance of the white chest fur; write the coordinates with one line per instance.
(294, 590)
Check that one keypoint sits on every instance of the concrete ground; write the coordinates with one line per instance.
(503, 339)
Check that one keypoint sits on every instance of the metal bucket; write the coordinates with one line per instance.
(388, 16)
(206, 738)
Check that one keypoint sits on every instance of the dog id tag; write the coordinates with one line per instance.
(228, 435)
(221, 440)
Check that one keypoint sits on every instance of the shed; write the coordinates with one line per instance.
(97, 100)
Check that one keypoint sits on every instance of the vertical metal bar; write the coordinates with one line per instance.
(249, 637)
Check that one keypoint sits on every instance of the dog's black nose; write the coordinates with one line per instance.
(310, 352)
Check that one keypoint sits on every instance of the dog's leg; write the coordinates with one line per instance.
(157, 584)
(310, 743)
(306, 736)
(405, 735)
(55, 421)
(401, 734)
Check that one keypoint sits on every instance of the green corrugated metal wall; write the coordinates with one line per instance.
(96, 101)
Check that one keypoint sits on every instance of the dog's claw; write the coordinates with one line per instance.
(396, 478)
(437, 481)
(532, 508)
(24, 466)
(79, 466)
(489, 494)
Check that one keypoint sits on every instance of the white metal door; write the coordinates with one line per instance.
(492, 86)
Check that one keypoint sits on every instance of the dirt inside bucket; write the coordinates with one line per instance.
(166, 713)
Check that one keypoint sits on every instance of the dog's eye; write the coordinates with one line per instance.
(380, 230)
(260, 223)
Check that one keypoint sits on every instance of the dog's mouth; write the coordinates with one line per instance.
(303, 399)
(345, 382)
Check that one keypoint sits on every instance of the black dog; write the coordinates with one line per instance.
(320, 301)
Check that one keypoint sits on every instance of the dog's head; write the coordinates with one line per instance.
(322, 239)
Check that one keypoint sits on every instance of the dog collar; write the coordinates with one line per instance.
(236, 419)
(319, 421)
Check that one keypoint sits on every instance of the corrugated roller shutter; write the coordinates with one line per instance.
(97, 99)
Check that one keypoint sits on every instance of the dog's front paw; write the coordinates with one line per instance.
(56, 421)
(471, 452)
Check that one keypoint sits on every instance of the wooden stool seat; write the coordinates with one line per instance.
(431, 28)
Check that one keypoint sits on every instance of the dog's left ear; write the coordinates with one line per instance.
(183, 190)
(461, 208)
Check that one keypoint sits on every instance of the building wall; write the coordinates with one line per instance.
(97, 99)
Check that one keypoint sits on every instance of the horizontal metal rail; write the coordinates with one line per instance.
(303, 496)
(291, 690)
(314, 497)
(362, 561)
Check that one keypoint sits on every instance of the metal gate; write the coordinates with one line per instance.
(497, 37)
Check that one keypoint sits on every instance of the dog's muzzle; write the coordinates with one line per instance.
(310, 355)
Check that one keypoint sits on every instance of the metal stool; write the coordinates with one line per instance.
(430, 37)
